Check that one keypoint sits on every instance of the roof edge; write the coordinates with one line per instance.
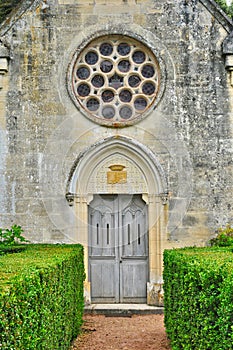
(210, 5)
(15, 14)
(218, 13)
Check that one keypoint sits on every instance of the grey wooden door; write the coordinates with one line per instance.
(118, 249)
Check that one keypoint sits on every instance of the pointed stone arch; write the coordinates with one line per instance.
(142, 174)
(139, 154)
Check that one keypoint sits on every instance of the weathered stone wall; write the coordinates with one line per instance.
(190, 131)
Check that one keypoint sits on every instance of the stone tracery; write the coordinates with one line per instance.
(115, 79)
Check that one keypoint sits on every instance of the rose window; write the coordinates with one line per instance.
(115, 79)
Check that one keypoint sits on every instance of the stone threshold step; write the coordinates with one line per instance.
(122, 309)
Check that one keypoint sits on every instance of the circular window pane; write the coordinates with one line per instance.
(83, 73)
(123, 49)
(108, 112)
(124, 66)
(140, 103)
(148, 71)
(139, 57)
(83, 90)
(106, 66)
(93, 104)
(91, 57)
(125, 96)
(126, 112)
(97, 81)
(107, 96)
(106, 49)
(148, 88)
(134, 80)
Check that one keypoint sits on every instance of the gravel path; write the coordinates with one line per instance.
(144, 332)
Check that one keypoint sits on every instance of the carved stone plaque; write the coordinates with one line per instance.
(117, 175)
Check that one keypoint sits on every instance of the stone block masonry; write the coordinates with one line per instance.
(178, 152)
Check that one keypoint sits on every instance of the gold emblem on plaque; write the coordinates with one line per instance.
(117, 175)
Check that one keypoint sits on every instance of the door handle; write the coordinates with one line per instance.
(120, 261)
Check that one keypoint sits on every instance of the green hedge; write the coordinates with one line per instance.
(5, 249)
(198, 286)
(41, 297)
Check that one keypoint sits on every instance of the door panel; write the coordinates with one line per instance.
(103, 269)
(118, 248)
(102, 274)
(133, 281)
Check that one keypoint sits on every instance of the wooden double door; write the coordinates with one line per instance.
(118, 249)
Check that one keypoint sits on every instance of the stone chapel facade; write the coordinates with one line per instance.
(116, 132)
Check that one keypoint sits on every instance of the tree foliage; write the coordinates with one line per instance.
(225, 7)
(6, 6)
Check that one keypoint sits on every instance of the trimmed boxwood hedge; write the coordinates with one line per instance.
(198, 286)
(6, 249)
(41, 297)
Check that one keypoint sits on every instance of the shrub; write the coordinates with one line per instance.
(5, 249)
(41, 299)
(198, 286)
(12, 236)
(224, 237)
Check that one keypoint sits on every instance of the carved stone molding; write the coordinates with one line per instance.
(70, 198)
(165, 197)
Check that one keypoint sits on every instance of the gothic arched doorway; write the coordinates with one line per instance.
(115, 178)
